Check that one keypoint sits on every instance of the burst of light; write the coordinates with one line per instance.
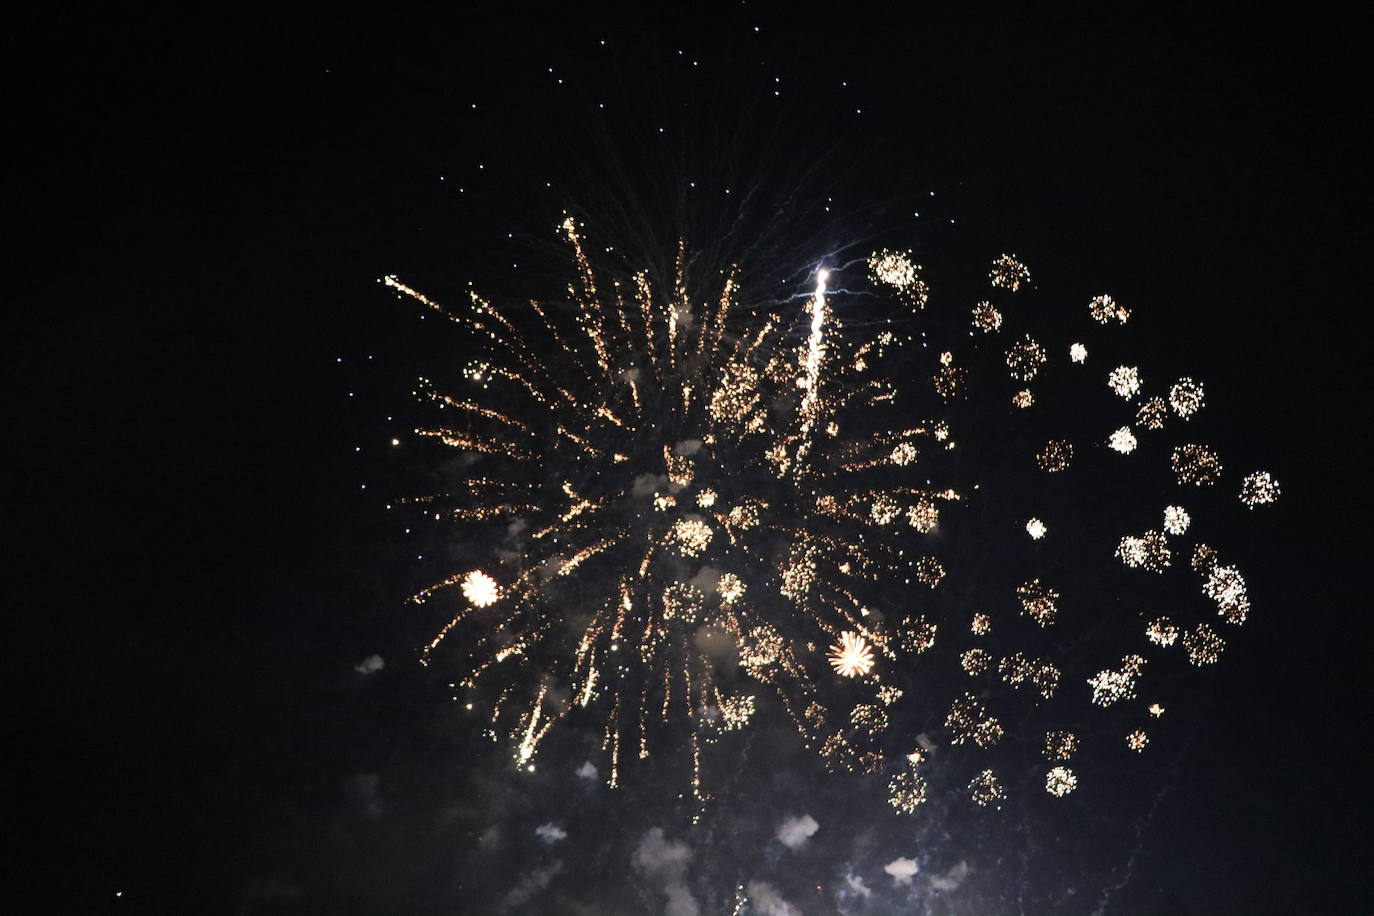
(1060, 781)
(1161, 632)
(1124, 381)
(1038, 602)
(987, 318)
(480, 589)
(1060, 745)
(1055, 456)
(986, 789)
(1195, 464)
(851, 656)
(1137, 740)
(1203, 644)
(1105, 310)
(1009, 273)
(814, 453)
(1152, 414)
(1259, 489)
(1123, 441)
(1185, 397)
(906, 791)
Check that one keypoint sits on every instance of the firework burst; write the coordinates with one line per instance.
(702, 511)
(713, 483)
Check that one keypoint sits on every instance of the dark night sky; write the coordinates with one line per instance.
(202, 210)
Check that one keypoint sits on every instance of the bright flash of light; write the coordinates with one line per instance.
(480, 589)
(851, 656)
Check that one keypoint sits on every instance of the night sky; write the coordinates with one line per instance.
(207, 374)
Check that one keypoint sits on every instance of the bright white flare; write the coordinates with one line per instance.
(851, 656)
(481, 589)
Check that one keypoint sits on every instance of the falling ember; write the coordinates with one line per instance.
(480, 589)
(851, 656)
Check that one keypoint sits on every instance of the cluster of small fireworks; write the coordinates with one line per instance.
(1008, 273)
(732, 567)
(906, 791)
(986, 789)
(1196, 464)
(1258, 489)
(1105, 310)
(1060, 781)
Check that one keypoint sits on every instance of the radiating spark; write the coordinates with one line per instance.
(1176, 519)
(480, 589)
(851, 656)
(1078, 353)
(1036, 528)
